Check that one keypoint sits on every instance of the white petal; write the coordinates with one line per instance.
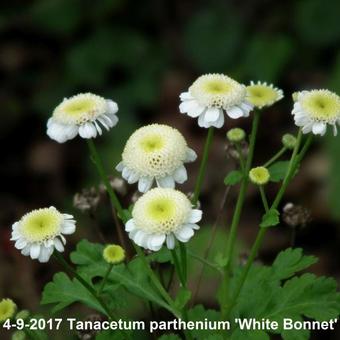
(61, 132)
(166, 182)
(185, 96)
(234, 112)
(156, 241)
(35, 250)
(195, 216)
(113, 119)
(184, 234)
(20, 244)
(308, 127)
(212, 114)
(133, 178)
(219, 123)
(99, 129)
(202, 122)
(187, 105)
(45, 254)
(87, 130)
(26, 251)
(192, 226)
(68, 227)
(140, 238)
(170, 241)
(104, 122)
(144, 184)
(180, 175)
(120, 166)
(319, 128)
(130, 225)
(126, 173)
(335, 130)
(68, 216)
(112, 106)
(190, 155)
(58, 245)
(195, 109)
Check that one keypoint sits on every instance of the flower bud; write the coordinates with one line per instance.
(236, 135)
(114, 254)
(259, 175)
(289, 141)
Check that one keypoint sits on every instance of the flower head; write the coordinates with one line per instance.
(259, 175)
(212, 94)
(41, 231)
(314, 109)
(263, 94)
(113, 254)
(155, 152)
(236, 135)
(162, 215)
(85, 114)
(7, 309)
(289, 141)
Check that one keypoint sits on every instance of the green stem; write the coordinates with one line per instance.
(99, 164)
(275, 157)
(156, 282)
(237, 213)
(178, 268)
(293, 165)
(203, 166)
(264, 198)
(109, 269)
(89, 288)
(240, 155)
(184, 261)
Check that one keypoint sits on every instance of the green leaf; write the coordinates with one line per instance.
(221, 260)
(88, 257)
(234, 177)
(278, 171)
(169, 337)
(63, 292)
(270, 219)
(249, 335)
(198, 313)
(269, 295)
(183, 297)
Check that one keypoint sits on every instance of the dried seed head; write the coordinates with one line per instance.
(87, 200)
(296, 215)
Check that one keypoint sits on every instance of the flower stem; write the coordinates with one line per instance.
(184, 261)
(99, 164)
(203, 166)
(293, 165)
(237, 213)
(264, 198)
(87, 286)
(178, 268)
(109, 269)
(275, 157)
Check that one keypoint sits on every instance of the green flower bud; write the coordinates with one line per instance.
(23, 314)
(236, 135)
(259, 175)
(289, 141)
(113, 254)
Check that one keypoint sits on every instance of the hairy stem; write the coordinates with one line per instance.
(275, 157)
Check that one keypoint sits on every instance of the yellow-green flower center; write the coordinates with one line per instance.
(322, 105)
(80, 109)
(152, 143)
(7, 309)
(113, 254)
(261, 95)
(217, 90)
(41, 225)
(161, 211)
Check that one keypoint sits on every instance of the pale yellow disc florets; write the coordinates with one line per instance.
(320, 105)
(79, 109)
(161, 211)
(7, 309)
(41, 225)
(217, 90)
(263, 94)
(155, 150)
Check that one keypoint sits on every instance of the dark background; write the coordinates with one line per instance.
(142, 54)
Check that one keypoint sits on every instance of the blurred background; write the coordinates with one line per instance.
(143, 54)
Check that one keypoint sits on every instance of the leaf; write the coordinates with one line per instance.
(291, 261)
(278, 171)
(63, 292)
(249, 335)
(270, 219)
(198, 313)
(234, 177)
(133, 277)
(183, 297)
(169, 337)
(267, 294)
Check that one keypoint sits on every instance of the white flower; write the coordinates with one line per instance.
(155, 152)
(85, 114)
(314, 109)
(162, 215)
(210, 95)
(40, 231)
(263, 94)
